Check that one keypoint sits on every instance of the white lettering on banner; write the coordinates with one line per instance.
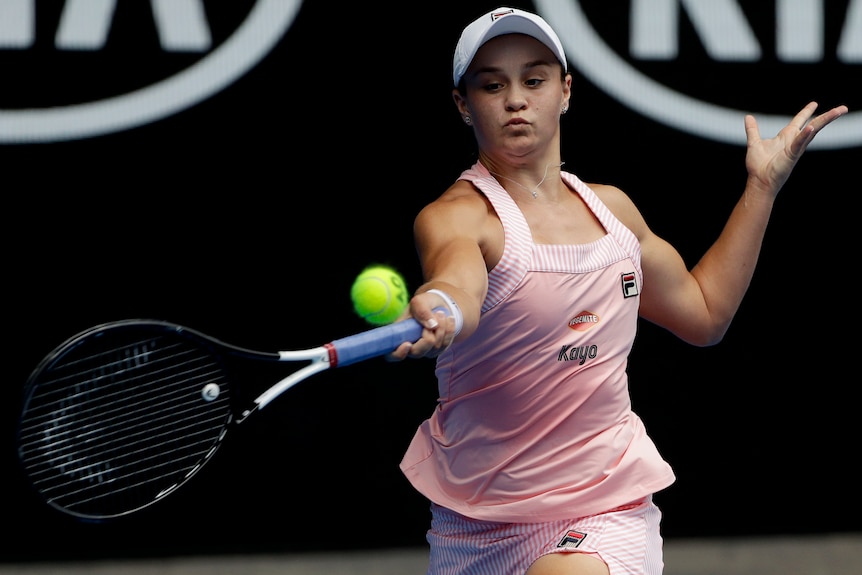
(727, 36)
(850, 46)
(799, 27)
(721, 25)
(180, 24)
(84, 24)
(181, 27)
(17, 23)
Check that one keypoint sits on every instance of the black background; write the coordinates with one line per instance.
(248, 215)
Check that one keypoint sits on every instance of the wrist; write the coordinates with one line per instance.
(454, 310)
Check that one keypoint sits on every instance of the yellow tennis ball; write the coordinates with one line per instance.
(379, 294)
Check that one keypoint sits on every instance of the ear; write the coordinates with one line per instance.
(567, 92)
(461, 104)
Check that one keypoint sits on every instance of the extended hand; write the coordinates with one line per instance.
(769, 162)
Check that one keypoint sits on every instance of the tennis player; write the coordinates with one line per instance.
(533, 459)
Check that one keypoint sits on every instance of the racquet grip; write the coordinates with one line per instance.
(374, 342)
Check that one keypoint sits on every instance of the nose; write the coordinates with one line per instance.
(516, 99)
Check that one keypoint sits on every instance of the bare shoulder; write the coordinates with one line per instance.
(612, 196)
(460, 204)
(460, 220)
(621, 205)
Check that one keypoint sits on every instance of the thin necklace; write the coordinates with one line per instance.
(533, 191)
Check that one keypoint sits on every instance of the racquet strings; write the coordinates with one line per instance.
(116, 419)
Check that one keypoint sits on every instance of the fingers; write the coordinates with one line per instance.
(437, 335)
(400, 352)
(434, 340)
(799, 131)
(804, 115)
(827, 117)
(752, 132)
(801, 120)
(807, 130)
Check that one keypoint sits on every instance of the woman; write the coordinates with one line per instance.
(533, 459)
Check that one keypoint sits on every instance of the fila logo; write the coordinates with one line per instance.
(182, 29)
(720, 42)
(629, 284)
(572, 539)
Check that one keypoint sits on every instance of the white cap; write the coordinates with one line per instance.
(496, 23)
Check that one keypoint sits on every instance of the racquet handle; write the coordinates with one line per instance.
(374, 342)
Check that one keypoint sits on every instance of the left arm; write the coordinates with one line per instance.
(698, 305)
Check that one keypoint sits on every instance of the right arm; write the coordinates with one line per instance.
(454, 236)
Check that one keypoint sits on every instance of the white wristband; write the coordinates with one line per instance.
(453, 308)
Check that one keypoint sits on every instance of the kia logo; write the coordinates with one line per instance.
(726, 36)
(181, 26)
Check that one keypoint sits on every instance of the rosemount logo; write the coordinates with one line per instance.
(802, 35)
(182, 28)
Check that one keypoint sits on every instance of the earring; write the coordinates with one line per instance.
(468, 120)
(564, 110)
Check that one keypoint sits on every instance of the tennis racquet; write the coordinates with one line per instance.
(124, 413)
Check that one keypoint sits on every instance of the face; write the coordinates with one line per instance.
(515, 95)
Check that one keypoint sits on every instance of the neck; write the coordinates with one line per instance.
(534, 190)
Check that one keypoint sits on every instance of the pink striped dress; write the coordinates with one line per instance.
(534, 420)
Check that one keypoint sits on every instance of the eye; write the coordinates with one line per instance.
(534, 82)
(492, 86)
